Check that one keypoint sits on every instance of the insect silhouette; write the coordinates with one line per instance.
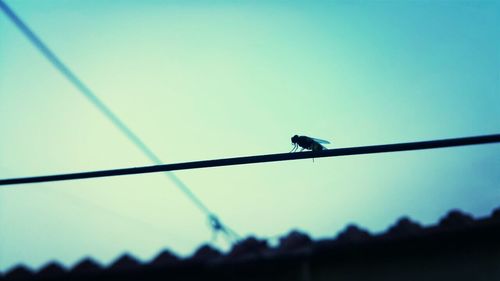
(308, 143)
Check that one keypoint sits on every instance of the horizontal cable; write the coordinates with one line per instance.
(262, 159)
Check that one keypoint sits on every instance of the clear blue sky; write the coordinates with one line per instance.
(201, 80)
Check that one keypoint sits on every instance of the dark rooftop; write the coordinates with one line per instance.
(458, 240)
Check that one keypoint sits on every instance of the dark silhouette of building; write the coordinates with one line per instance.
(459, 247)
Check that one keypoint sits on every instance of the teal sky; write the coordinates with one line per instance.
(213, 79)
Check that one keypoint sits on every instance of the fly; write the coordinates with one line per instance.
(309, 143)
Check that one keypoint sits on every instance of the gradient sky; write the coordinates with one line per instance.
(212, 79)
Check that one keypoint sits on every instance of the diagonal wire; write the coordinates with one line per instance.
(92, 97)
(245, 160)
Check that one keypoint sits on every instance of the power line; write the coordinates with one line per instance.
(262, 159)
(92, 97)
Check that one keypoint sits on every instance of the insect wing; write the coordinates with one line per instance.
(320, 141)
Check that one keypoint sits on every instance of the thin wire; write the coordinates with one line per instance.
(92, 97)
(152, 229)
(382, 148)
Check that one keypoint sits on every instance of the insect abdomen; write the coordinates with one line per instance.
(316, 146)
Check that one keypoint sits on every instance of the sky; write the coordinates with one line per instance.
(203, 80)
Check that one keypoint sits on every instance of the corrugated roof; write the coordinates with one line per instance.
(405, 237)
